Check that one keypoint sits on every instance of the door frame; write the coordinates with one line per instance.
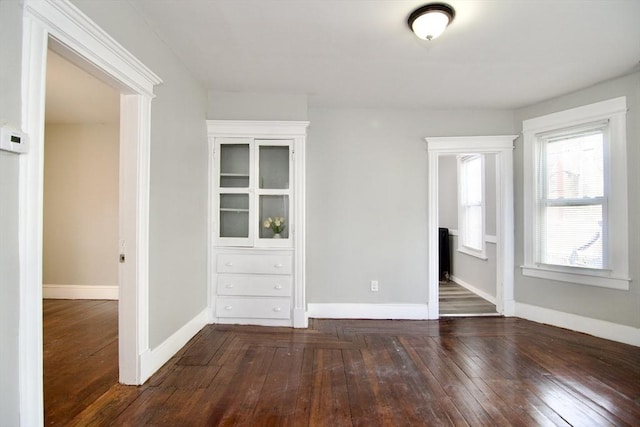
(502, 147)
(59, 25)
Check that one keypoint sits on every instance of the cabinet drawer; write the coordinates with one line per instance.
(254, 263)
(254, 308)
(269, 286)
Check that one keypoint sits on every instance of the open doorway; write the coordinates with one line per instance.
(467, 234)
(64, 29)
(80, 239)
(501, 147)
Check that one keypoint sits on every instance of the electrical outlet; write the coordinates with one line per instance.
(375, 286)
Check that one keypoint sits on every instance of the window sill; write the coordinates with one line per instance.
(480, 255)
(577, 276)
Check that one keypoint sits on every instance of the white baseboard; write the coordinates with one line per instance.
(152, 360)
(80, 292)
(479, 292)
(599, 328)
(300, 318)
(369, 311)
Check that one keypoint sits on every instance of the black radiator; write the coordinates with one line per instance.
(444, 253)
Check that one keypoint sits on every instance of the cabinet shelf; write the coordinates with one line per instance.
(234, 210)
(234, 175)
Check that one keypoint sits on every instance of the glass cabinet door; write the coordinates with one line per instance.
(274, 213)
(273, 167)
(234, 195)
(234, 215)
(235, 165)
(274, 176)
(253, 193)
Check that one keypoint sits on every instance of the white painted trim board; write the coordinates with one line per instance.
(598, 328)
(152, 360)
(63, 27)
(368, 311)
(482, 294)
(52, 291)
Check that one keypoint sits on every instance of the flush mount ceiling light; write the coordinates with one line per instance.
(429, 21)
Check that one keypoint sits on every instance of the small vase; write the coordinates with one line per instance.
(277, 236)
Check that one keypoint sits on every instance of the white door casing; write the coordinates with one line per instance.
(502, 147)
(61, 26)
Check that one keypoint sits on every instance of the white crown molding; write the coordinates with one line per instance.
(578, 115)
(67, 24)
(256, 128)
(462, 144)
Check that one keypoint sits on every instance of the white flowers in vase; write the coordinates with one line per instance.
(276, 224)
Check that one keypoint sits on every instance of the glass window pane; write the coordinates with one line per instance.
(274, 216)
(234, 165)
(234, 215)
(274, 167)
(572, 236)
(575, 166)
(471, 202)
(473, 227)
(473, 181)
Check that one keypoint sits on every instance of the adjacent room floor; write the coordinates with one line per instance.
(456, 300)
(456, 371)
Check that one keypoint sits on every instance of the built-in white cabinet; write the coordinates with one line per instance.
(257, 222)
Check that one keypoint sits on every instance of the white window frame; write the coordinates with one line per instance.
(462, 225)
(616, 271)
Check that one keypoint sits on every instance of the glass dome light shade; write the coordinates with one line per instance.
(429, 21)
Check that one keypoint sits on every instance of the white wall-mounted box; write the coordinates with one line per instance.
(13, 141)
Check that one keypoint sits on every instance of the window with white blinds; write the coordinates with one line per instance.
(575, 196)
(471, 204)
(572, 202)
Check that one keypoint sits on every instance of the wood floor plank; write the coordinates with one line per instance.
(457, 371)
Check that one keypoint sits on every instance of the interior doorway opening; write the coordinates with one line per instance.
(467, 189)
(80, 238)
(64, 29)
(502, 147)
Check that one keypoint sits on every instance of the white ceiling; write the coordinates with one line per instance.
(360, 53)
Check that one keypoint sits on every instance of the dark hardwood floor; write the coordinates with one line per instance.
(80, 355)
(458, 371)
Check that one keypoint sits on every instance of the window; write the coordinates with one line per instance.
(471, 207)
(575, 196)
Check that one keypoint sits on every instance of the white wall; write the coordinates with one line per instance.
(178, 181)
(480, 274)
(367, 199)
(10, 114)
(223, 105)
(80, 230)
(448, 192)
(617, 306)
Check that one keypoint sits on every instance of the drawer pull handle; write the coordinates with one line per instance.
(278, 265)
(277, 287)
(228, 264)
(229, 286)
(228, 307)
(277, 309)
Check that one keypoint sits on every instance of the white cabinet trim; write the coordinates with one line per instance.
(294, 131)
